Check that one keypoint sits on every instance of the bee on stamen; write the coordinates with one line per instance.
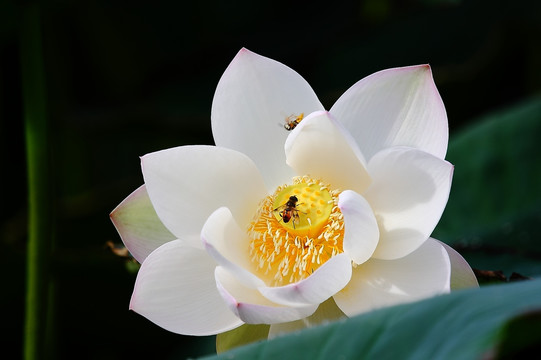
(289, 210)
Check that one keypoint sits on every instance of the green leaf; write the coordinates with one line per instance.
(492, 217)
(467, 324)
(522, 337)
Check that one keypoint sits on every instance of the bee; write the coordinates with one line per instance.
(292, 121)
(289, 210)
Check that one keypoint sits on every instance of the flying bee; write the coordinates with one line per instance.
(292, 121)
(289, 210)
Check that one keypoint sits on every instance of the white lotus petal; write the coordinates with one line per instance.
(176, 289)
(187, 183)
(138, 225)
(229, 246)
(462, 275)
(408, 194)
(251, 307)
(393, 107)
(376, 283)
(328, 279)
(361, 228)
(319, 146)
(252, 100)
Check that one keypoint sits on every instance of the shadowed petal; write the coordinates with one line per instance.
(325, 313)
(462, 275)
(138, 224)
(243, 335)
(408, 194)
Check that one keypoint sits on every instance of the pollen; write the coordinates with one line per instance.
(295, 231)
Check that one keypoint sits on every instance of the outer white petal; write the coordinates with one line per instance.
(187, 183)
(330, 278)
(377, 283)
(393, 107)
(251, 307)
(175, 289)
(139, 227)
(321, 147)
(408, 194)
(462, 275)
(229, 246)
(361, 228)
(252, 100)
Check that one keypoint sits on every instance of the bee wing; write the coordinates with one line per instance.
(291, 118)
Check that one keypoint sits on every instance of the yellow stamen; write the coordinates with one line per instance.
(295, 231)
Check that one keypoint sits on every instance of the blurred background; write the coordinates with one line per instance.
(127, 78)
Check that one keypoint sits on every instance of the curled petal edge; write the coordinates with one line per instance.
(361, 227)
(255, 309)
(326, 281)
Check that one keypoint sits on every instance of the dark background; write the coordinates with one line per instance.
(127, 78)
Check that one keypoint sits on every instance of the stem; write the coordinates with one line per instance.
(39, 197)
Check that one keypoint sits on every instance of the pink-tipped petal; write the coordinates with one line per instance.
(138, 225)
(187, 183)
(229, 246)
(176, 289)
(251, 307)
(377, 283)
(253, 98)
(330, 278)
(321, 147)
(399, 106)
(361, 228)
(408, 194)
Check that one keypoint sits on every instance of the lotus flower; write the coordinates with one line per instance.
(295, 206)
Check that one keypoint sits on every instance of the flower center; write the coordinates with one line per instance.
(295, 231)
